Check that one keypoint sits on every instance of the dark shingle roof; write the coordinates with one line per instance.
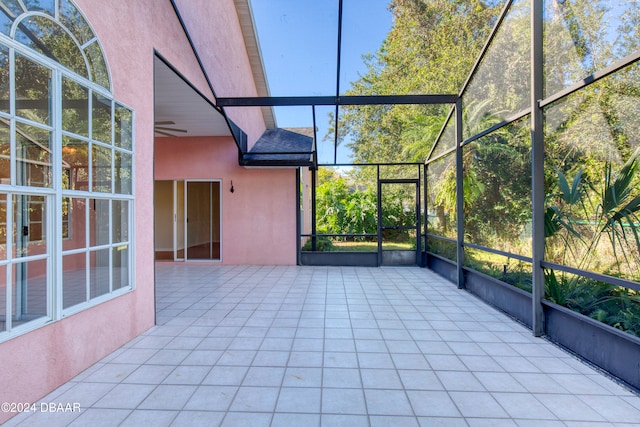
(281, 147)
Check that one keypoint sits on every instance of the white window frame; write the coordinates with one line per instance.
(52, 220)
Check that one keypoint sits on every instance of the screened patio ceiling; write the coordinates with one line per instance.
(311, 53)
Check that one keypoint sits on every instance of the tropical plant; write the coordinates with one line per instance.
(614, 305)
(583, 214)
(575, 227)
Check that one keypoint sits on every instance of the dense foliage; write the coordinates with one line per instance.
(430, 49)
(345, 208)
(590, 136)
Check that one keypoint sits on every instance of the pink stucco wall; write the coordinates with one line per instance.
(258, 218)
(35, 363)
(227, 63)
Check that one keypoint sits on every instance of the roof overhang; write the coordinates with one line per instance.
(180, 109)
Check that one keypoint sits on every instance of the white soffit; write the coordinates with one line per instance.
(177, 102)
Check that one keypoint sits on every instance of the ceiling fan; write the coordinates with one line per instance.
(162, 129)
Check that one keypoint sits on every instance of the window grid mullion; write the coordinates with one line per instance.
(87, 245)
(54, 243)
(9, 314)
(90, 147)
(12, 122)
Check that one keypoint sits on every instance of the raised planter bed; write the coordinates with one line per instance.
(611, 349)
(357, 259)
(604, 346)
(513, 301)
(441, 266)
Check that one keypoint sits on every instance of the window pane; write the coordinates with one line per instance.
(101, 119)
(66, 207)
(49, 38)
(120, 267)
(29, 232)
(99, 231)
(13, 7)
(5, 154)
(29, 291)
(3, 226)
(75, 108)
(13, 10)
(97, 65)
(5, 23)
(36, 219)
(71, 18)
(101, 169)
(3, 298)
(33, 83)
(75, 164)
(120, 221)
(33, 156)
(4, 77)
(123, 136)
(74, 279)
(46, 6)
(122, 169)
(74, 210)
(99, 273)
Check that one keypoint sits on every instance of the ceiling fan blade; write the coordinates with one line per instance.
(166, 122)
(170, 129)
(165, 133)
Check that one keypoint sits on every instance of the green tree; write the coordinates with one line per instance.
(430, 49)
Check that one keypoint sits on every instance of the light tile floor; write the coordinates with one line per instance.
(310, 346)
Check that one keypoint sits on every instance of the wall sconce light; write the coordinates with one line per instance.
(231, 189)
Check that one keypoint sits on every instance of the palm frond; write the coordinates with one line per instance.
(617, 189)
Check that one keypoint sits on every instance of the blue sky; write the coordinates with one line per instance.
(298, 39)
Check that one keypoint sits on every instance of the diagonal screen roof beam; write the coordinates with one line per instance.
(289, 101)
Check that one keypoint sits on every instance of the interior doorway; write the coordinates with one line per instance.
(187, 220)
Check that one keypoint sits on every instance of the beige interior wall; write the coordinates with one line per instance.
(164, 215)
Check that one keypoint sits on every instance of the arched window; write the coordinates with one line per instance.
(61, 34)
(66, 168)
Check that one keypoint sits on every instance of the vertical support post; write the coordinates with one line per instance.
(210, 222)
(537, 167)
(426, 212)
(418, 220)
(418, 223)
(459, 195)
(314, 241)
(298, 219)
(379, 215)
